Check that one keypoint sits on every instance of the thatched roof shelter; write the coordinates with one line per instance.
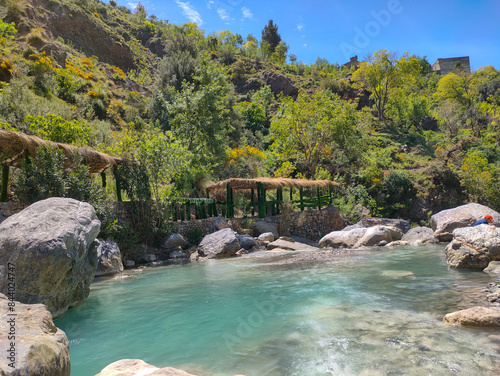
(270, 183)
(14, 145)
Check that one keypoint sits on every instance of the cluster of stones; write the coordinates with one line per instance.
(53, 249)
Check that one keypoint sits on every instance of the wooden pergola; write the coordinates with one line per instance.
(261, 185)
(17, 146)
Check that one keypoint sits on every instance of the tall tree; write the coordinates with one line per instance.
(315, 131)
(383, 74)
(271, 36)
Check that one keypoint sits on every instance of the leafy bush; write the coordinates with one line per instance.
(55, 128)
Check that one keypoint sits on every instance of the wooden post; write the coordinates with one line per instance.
(301, 192)
(229, 201)
(5, 183)
(182, 210)
(118, 184)
(174, 212)
(262, 200)
(279, 197)
(252, 199)
(103, 179)
(188, 210)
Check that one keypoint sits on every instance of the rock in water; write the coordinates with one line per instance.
(222, 243)
(51, 246)
(40, 348)
(474, 247)
(109, 258)
(475, 316)
(444, 222)
(134, 367)
(420, 235)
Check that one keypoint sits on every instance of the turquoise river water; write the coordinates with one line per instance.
(367, 313)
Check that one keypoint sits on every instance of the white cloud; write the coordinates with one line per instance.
(132, 5)
(223, 14)
(305, 45)
(247, 13)
(210, 4)
(300, 27)
(190, 12)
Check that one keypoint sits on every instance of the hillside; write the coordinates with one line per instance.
(189, 107)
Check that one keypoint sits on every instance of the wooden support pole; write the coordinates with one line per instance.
(319, 198)
(229, 201)
(279, 197)
(5, 183)
(118, 184)
(103, 179)
(262, 200)
(301, 192)
(188, 211)
(183, 213)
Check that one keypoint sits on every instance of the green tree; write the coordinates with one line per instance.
(165, 160)
(315, 130)
(384, 74)
(201, 113)
(270, 36)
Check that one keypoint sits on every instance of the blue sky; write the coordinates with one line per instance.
(338, 29)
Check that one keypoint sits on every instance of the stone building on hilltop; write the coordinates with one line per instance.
(353, 62)
(448, 65)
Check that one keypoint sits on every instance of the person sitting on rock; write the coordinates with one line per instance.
(486, 220)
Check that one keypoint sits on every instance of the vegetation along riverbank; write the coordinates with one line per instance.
(126, 141)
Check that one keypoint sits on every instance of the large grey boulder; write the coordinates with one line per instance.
(375, 235)
(109, 258)
(358, 237)
(420, 235)
(287, 245)
(135, 367)
(222, 243)
(475, 316)
(279, 83)
(39, 347)
(474, 247)
(262, 227)
(342, 239)
(246, 241)
(175, 240)
(402, 224)
(444, 222)
(51, 245)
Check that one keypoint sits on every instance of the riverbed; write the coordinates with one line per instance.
(372, 312)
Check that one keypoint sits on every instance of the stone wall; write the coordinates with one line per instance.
(445, 66)
(310, 224)
(9, 208)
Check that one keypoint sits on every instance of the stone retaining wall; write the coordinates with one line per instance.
(310, 224)
(9, 208)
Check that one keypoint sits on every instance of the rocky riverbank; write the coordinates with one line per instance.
(52, 246)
